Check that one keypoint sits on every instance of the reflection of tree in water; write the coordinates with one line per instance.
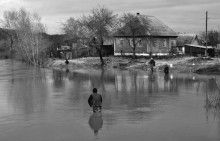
(136, 92)
(96, 122)
(97, 78)
(58, 78)
(212, 101)
(98, 81)
(213, 114)
(29, 94)
(208, 86)
(152, 83)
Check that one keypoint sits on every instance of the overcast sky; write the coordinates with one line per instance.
(185, 16)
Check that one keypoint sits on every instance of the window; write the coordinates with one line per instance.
(156, 43)
(164, 43)
(173, 43)
(131, 42)
(140, 43)
(121, 42)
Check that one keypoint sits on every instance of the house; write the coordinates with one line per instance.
(157, 40)
(198, 50)
(186, 39)
(73, 48)
(217, 50)
(190, 44)
(108, 47)
(80, 47)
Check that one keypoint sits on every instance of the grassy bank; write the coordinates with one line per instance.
(183, 64)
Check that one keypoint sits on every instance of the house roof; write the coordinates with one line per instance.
(183, 39)
(198, 46)
(155, 28)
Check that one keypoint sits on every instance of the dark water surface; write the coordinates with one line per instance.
(51, 105)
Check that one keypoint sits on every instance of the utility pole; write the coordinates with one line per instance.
(206, 32)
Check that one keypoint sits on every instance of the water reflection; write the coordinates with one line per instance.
(28, 95)
(139, 93)
(58, 77)
(132, 90)
(133, 102)
(23, 90)
(96, 122)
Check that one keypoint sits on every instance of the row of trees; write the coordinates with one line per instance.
(26, 31)
(97, 27)
(102, 23)
(28, 38)
(213, 37)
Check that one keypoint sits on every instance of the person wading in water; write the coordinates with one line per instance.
(152, 64)
(95, 101)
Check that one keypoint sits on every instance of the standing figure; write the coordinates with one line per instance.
(152, 64)
(166, 69)
(95, 101)
(67, 62)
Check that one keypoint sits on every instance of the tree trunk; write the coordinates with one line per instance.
(134, 55)
(100, 52)
(100, 56)
(134, 45)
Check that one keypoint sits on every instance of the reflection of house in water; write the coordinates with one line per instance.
(58, 78)
(137, 92)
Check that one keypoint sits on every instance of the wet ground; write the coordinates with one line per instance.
(51, 105)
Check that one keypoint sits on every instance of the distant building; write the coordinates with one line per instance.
(75, 48)
(158, 40)
(186, 39)
(189, 44)
(217, 50)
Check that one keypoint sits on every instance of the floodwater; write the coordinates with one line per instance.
(51, 105)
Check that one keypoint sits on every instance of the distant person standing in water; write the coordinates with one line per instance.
(166, 69)
(67, 62)
(152, 64)
(95, 101)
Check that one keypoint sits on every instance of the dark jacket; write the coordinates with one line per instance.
(95, 100)
(166, 69)
(152, 62)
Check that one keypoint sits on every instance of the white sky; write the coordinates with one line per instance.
(181, 15)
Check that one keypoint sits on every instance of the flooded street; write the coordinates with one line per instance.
(51, 105)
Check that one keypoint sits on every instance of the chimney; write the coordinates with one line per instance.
(138, 14)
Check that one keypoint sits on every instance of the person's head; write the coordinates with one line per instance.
(94, 90)
(151, 58)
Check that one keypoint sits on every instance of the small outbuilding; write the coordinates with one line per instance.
(197, 50)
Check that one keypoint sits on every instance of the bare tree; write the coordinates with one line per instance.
(73, 28)
(134, 28)
(29, 34)
(213, 37)
(98, 24)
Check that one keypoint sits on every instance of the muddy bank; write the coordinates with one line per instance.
(184, 64)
